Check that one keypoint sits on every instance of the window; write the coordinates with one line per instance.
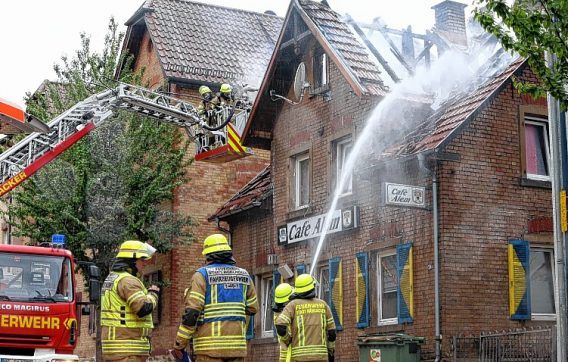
(322, 290)
(536, 148)
(301, 181)
(342, 150)
(542, 283)
(266, 307)
(387, 289)
(156, 279)
(320, 69)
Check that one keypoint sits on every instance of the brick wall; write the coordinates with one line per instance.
(482, 205)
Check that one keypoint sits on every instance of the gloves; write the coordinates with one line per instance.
(154, 288)
(177, 354)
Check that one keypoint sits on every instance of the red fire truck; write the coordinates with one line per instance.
(38, 304)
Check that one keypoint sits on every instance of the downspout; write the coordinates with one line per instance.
(433, 170)
(435, 226)
(227, 231)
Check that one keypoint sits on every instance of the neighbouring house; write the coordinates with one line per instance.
(469, 175)
(180, 45)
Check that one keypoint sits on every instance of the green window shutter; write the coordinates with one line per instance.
(336, 291)
(362, 289)
(519, 280)
(250, 328)
(300, 269)
(405, 290)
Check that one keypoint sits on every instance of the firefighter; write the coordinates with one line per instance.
(208, 106)
(306, 324)
(126, 306)
(221, 299)
(282, 295)
(225, 96)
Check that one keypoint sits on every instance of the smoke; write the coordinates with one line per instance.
(454, 75)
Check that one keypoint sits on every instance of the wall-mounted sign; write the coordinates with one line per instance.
(405, 195)
(304, 229)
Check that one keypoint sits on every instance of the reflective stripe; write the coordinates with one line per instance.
(126, 346)
(286, 318)
(200, 297)
(133, 297)
(323, 335)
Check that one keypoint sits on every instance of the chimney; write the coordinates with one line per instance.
(450, 21)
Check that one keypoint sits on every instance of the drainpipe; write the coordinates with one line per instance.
(227, 231)
(433, 169)
(435, 226)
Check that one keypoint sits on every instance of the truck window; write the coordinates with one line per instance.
(35, 278)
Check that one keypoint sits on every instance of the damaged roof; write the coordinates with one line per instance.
(251, 195)
(453, 115)
(344, 44)
(209, 43)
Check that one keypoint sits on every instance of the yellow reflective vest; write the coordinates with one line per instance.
(124, 333)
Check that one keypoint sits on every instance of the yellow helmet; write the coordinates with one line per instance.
(214, 243)
(204, 89)
(304, 283)
(226, 88)
(135, 249)
(282, 293)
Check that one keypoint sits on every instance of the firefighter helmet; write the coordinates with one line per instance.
(136, 250)
(304, 283)
(226, 88)
(215, 243)
(282, 293)
(203, 90)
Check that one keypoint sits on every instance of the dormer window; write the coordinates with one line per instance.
(321, 67)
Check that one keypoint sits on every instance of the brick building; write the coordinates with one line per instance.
(469, 175)
(180, 45)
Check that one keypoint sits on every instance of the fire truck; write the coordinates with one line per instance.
(38, 303)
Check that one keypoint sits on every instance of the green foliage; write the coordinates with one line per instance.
(532, 28)
(115, 184)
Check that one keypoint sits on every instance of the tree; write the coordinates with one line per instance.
(116, 183)
(531, 28)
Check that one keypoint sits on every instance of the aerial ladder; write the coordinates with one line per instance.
(217, 136)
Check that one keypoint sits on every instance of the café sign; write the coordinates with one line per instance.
(405, 195)
(312, 227)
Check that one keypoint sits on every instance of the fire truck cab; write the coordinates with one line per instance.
(38, 306)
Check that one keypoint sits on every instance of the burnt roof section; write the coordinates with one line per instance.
(456, 113)
(208, 43)
(250, 196)
(343, 42)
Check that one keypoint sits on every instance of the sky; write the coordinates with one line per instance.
(35, 34)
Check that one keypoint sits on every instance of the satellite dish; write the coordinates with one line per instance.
(300, 81)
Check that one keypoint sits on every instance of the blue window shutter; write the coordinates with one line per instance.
(250, 328)
(519, 279)
(276, 279)
(336, 291)
(362, 289)
(405, 289)
(300, 269)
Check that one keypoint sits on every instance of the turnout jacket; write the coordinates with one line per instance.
(224, 296)
(124, 332)
(307, 322)
(284, 349)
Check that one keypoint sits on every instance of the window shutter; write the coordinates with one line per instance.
(405, 290)
(300, 269)
(276, 279)
(250, 328)
(519, 280)
(336, 291)
(362, 289)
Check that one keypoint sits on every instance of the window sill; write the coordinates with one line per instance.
(535, 183)
(298, 213)
(387, 322)
(543, 317)
(263, 340)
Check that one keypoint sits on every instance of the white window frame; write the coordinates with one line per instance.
(539, 122)
(265, 282)
(323, 269)
(298, 159)
(380, 320)
(340, 158)
(545, 316)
